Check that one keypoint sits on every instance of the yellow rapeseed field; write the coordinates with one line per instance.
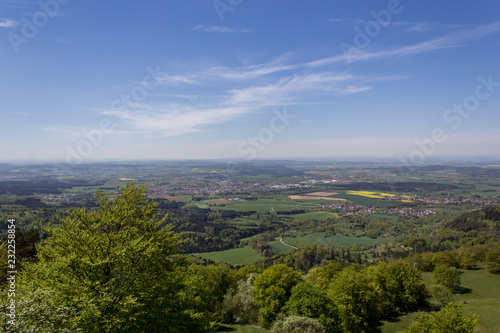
(367, 194)
(378, 195)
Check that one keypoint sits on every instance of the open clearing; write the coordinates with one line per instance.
(322, 193)
(240, 256)
(483, 300)
(220, 202)
(234, 328)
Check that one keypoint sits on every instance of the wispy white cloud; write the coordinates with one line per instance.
(284, 80)
(7, 23)
(294, 89)
(426, 26)
(451, 40)
(166, 120)
(172, 120)
(351, 21)
(215, 28)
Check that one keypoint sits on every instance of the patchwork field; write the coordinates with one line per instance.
(268, 204)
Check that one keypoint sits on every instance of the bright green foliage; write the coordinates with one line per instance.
(114, 267)
(205, 287)
(297, 324)
(467, 260)
(309, 301)
(424, 262)
(448, 277)
(239, 304)
(441, 294)
(446, 258)
(400, 286)
(492, 262)
(321, 277)
(244, 271)
(357, 300)
(449, 320)
(36, 312)
(272, 289)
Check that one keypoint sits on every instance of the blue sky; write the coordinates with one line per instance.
(175, 79)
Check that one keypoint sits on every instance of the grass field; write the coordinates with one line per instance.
(484, 300)
(280, 247)
(240, 256)
(241, 329)
(337, 240)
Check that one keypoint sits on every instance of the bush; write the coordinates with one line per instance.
(449, 320)
(297, 324)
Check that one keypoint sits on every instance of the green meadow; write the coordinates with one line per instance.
(277, 203)
(240, 256)
(483, 300)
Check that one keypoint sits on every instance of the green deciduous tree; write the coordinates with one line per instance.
(449, 320)
(357, 300)
(401, 287)
(492, 261)
(448, 277)
(321, 277)
(115, 268)
(309, 301)
(272, 289)
(205, 287)
(239, 303)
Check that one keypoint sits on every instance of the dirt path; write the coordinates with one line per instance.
(281, 240)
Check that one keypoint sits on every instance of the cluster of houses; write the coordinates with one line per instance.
(221, 187)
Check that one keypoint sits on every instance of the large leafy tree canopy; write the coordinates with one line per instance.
(114, 268)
